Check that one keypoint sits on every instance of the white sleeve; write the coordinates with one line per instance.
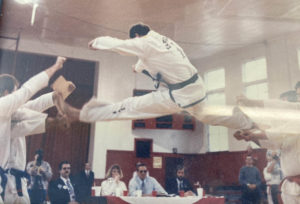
(140, 66)
(274, 141)
(133, 46)
(11, 102)
(275, 103)
(41, 103)
(30, 123)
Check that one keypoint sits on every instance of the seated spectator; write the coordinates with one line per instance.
(40, 173)
(179, 183)
(113, 184)
(85, 181)
(63, 189)
(145, 183)
(250, 180)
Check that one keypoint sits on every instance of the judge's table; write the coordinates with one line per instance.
(156, 200)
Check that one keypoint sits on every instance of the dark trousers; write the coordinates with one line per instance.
(37, 196)
(250, 196)
(274, 193)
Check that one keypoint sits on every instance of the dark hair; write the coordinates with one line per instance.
(40, 154)
(297, 85)
(62, 163)
(138, 165)
(291, 96)
(7, 83)
(139, 29)
(179, 167)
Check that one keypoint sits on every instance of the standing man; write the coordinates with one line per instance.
(145, 183)
(166, 63)
(40, 173)
(63, 189)
(249, 178)
(179, 183)
(85, 181)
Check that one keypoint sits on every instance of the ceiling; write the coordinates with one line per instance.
(201, 27)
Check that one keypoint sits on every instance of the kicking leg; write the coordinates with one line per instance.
(141, 107)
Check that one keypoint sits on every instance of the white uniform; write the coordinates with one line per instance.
(159, 54)
(289, 145)
(27, 120)
(9, 104)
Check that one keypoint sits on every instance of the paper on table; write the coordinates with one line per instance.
(63, 86)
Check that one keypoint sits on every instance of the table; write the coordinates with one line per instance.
(156, 200)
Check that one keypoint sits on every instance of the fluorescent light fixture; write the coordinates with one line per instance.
(35, 5)
(26, 1)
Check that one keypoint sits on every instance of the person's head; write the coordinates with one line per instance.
(249, 161)
(290, 96)
(39, 155)
(114, 171)
(138, 30)
(87, 166)
(64, 169)
(249, 149)
(8, 84)
(141, 171)
(297, 88)
(180, 172)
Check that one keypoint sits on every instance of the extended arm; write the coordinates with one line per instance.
(133, 46)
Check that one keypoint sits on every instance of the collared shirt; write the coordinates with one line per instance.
(150, 184)
(70, 187)
(179, 184)
(110, 187)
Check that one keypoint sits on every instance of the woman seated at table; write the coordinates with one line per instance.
(113, 185)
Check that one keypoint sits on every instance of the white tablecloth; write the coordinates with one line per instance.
(160, 200)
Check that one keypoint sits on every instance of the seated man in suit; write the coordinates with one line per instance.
(62, 190)
(179, 183)
(143, 183)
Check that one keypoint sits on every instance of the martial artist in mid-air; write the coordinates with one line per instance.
(179, 87)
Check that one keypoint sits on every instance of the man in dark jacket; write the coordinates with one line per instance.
(62, 190)
(179, 183)
(85, 181)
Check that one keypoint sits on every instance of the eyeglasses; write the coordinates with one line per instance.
(143, 171)
(65, 168)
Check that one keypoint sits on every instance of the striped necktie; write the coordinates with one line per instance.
(71, 190)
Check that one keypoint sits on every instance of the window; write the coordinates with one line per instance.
(255, 79)
(298, 54)
(215, 85)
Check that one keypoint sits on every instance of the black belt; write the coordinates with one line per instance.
(176, 86)
(184, 83)
(3, 181)
(18, 174)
